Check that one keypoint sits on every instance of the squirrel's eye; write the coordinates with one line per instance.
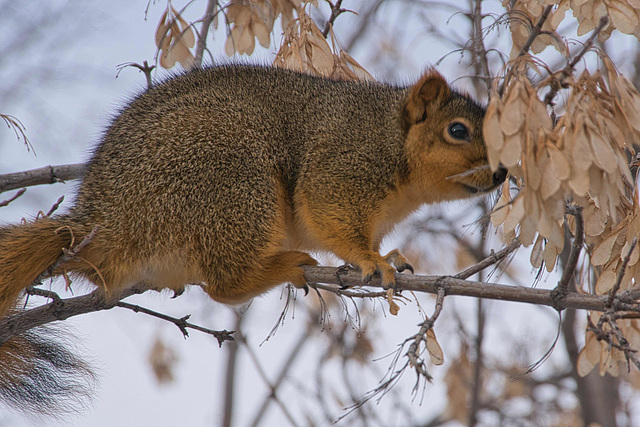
(459, 131)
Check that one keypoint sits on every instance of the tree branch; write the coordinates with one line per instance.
(44, 175)
(572, 262)
(62, 309)
(454, 286)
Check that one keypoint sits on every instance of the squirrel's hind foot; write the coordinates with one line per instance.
(398, 260)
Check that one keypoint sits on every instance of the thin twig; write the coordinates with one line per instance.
(204, 30)
(181, 323)
(492, 259)
(272, 389)
(145, 68)
(67, 254)
(284, 370)
(621, 272)
(55, 206)
(413, 354)
(566, 72)
(14, 197)
(335, 12)
(535, 31)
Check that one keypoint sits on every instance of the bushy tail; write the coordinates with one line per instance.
(41, 374)
(27, 250)
(37, 373)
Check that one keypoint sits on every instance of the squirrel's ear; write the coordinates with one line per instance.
(431, 87)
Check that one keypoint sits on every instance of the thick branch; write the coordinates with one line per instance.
(44, 175)
(62, 309)
(58, 309)
(453, 286)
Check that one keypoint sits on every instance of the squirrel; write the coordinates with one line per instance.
(229, 176)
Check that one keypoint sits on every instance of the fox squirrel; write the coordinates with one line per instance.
(227, 176)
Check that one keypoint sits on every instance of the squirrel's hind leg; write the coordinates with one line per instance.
(281, 267)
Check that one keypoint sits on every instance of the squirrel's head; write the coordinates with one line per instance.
(445, 148)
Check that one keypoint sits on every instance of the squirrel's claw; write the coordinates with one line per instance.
(405, 266)
(398, 260)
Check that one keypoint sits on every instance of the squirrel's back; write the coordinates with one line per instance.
(190, 160)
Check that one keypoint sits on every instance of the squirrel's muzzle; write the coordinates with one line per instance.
(480, 179)
(500, 175)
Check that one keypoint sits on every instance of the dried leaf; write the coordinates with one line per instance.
(589, 356)
(393, 307)
(602, 252)
(537, 252)
(492, 132)
(433, 347)
(559, 161)
(500, 211)
(605, 282)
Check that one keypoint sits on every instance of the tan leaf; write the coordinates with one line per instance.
(515, 214)
(559, 161)
(512, 117)
(603, 155)
(581, 152)
(528, 231)
(187, 36)
(162, 39)
(595, 222)
(492, 132)
(433, 347)
(602, 252)
(608, 361)
(623, 17)
(589, 355)
(549, 256)
(634, 255)
(261, 31)
(393, 307)
(536, 253)
(512, 150)
(500, 211)
(605, 282)
(579, 181)
(550, 183)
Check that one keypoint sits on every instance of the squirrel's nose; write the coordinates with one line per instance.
(500, 175)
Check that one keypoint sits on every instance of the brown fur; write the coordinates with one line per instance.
(226, 176)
